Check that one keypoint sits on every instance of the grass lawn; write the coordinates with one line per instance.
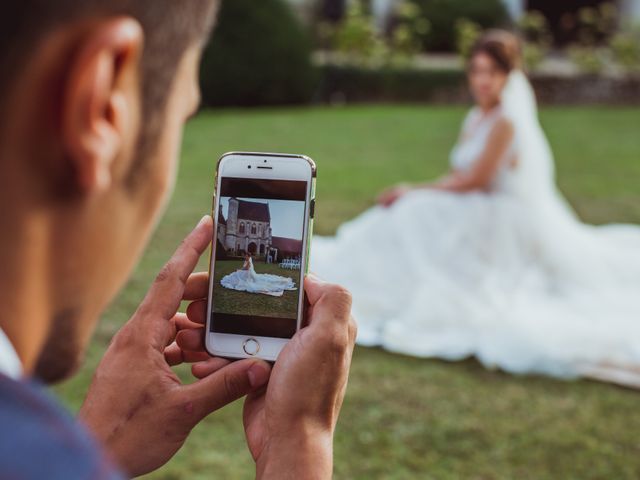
(232, 301)
(405, 417)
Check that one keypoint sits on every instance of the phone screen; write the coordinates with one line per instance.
(258, 269)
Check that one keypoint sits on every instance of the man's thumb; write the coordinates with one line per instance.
(225, 385)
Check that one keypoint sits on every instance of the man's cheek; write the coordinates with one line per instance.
(166, 165)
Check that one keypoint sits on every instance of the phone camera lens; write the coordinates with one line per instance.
(248, 166)
(265, 161)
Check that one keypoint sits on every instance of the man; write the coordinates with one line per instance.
(94, 94)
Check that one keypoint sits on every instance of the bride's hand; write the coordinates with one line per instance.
(391, 195)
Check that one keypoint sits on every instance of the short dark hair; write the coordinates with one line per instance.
(502, 46)
(170, 27)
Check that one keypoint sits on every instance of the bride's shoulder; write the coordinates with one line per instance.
(502, 126)
(503, 120)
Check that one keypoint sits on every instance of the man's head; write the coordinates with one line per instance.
(93, 94)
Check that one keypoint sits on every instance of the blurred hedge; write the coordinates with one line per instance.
(259, 55)
(443, 15)
(353, 84)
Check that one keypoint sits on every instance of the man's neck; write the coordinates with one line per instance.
(24, 297)
(10, 364)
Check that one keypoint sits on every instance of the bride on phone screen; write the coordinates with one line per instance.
(490, 261)
(247, 280)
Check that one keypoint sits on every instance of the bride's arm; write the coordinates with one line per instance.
(484, 170)
(479, 177)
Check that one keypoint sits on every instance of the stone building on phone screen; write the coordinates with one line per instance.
(247, 228)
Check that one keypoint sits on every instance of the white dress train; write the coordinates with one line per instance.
(511, 277)
(250, 281)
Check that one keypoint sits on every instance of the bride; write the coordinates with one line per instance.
(490, 261)
(247, 280)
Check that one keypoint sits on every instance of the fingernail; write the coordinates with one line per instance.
(203, 220)
(258, 375)
(315, 277)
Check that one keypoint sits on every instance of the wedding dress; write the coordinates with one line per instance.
(511, 276)
(250, 281)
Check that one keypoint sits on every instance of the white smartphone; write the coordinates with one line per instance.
(263, 210)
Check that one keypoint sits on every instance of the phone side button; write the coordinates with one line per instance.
(251, 346)
(312, 208)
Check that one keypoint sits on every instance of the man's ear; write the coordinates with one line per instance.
(101, 98)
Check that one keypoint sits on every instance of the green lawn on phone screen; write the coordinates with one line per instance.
(406, 417)
(237, 302)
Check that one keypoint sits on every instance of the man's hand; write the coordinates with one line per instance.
(136, 405)
(289, 424)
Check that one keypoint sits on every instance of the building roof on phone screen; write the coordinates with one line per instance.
(255, 211)
(287, 244)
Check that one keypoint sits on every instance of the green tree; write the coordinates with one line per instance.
(259, 55)
(444, 14)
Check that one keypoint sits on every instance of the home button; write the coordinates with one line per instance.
(251, 346)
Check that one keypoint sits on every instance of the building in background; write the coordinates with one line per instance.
(282, 248)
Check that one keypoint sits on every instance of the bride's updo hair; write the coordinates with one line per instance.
(502, 46)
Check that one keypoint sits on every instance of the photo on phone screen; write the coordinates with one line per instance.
(258, 269)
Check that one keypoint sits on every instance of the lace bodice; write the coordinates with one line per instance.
(473, 140)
